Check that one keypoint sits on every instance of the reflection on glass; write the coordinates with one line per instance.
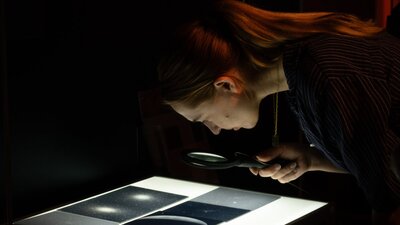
(208, 157)
(208, 213)
(167, 220)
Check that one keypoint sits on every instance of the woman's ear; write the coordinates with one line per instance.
(227, 83)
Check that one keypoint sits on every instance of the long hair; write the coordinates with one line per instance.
(234, 34)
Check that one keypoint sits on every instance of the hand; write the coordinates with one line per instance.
(299, 157)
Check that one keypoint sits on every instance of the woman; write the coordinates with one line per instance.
(340, 74)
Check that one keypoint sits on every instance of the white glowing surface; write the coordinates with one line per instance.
(174, 186)
(281, 211)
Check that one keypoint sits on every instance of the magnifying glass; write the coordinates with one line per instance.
(207, 160)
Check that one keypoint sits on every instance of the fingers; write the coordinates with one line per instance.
(290, 177)
(283, 174)
(269, 171)
(293, 175)
(299, 162)
(265, 172)
(254, 171)
(286, 170)
(269, 155)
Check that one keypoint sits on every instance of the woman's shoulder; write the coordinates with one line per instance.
(343, 45)
(328, 50)
(326, 56)
(324, 50)
(331, 45)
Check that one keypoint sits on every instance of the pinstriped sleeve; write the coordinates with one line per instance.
(345, 100)
(354, 119)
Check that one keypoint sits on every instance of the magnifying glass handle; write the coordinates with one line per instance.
(247, 161)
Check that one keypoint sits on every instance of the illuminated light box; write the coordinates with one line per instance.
(164, 201)
(123, 204)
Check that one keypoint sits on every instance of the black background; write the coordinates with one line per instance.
(71, 71)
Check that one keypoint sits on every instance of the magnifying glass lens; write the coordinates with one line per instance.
(208, 157)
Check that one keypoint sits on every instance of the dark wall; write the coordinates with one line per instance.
(4, 150)
(74, 69)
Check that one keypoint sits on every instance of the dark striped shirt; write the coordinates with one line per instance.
(345, 92)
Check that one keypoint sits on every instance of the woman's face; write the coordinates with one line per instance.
(229, 109)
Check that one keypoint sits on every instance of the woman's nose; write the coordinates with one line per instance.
(214, 128)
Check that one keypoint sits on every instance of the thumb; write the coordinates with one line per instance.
(269, 154)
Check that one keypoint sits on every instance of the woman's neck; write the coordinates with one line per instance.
(273, 81)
